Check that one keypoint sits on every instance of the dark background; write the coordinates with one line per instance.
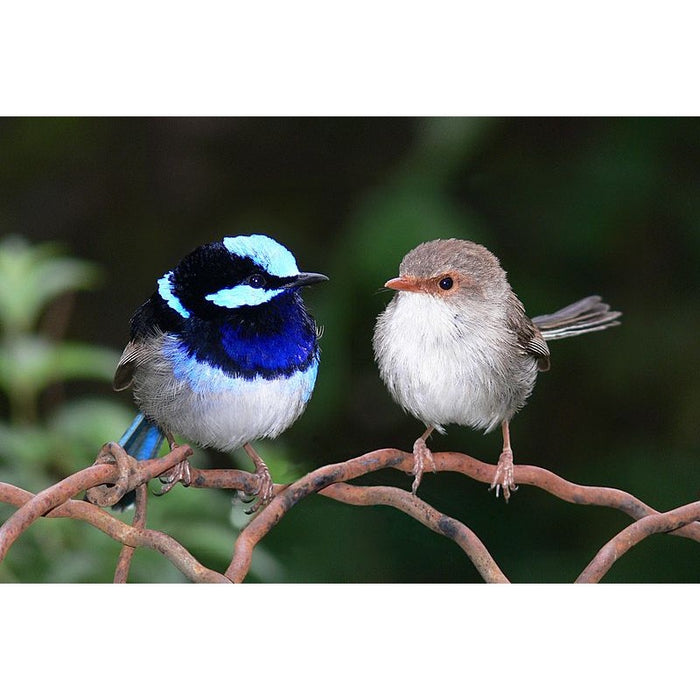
(571, 206)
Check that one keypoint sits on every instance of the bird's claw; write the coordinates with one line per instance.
(422, 456)
(504, 477)
(180, 472)
(265, 490)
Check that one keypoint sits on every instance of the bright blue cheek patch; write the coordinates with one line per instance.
(242, 295)
(265, 252)
(166, 292)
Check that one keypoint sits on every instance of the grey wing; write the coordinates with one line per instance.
(537, 347)
(136, 353)
(124, 374)
(528, 335)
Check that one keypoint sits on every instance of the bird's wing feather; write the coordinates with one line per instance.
(528, 335)
(124, 373)
(136, 352)
(146, 327)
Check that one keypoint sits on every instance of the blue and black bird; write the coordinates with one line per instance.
(224, 352)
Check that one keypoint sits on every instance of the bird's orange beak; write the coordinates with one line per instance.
(404, 284)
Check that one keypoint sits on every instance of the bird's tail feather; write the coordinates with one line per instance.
(142, 440)
(583, 316)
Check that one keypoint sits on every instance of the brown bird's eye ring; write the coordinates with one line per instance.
(446, 283)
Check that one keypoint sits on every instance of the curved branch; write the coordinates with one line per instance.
(287, 498)
(226, 479)
(322, 477)
(105, 472)
(633, 534)
(121, 573)
(527, 475)
(121, 532)
(424, 514)
(117, 467)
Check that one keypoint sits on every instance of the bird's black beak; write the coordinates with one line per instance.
(305, 278)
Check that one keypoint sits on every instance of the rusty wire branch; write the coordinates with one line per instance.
(319, 479)
(115, 473)
(527, 475)
(121, 573)
(287, 498)
(633, 534)
(105, 482)
(425, 514)
(121, 532)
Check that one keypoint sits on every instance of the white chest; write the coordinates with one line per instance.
(208, 406)
(444, 367)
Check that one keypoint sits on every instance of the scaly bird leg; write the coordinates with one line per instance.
(422, 457)
(180, 472)
(266, 487)
(504, 473)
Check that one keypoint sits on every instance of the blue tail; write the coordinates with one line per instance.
(142, 440)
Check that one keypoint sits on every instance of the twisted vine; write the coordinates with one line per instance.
(115, 472)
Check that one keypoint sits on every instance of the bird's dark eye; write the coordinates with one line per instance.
(446, 283)
(256, 281)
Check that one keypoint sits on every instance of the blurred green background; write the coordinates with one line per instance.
(93, 211)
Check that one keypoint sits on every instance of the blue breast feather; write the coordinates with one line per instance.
(275, 355)
(204, 378)
(284, 344)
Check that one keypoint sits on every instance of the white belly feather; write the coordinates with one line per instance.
(207, 406)
(445, 369)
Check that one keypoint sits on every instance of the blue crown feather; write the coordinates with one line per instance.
(272, 257)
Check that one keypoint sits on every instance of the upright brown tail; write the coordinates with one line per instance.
(583, 316)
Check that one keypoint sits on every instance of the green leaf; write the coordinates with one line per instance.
(79, 429)
(24, 453)
(28, 364)
(31, 276)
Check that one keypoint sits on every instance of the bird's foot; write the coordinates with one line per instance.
(504, 477)
(422, 458)
(180, 472)
(265, 490)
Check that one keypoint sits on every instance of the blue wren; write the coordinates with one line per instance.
(454, 345)
(224, 352)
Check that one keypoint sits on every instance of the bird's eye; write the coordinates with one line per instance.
(446, 283)
(256, 281)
